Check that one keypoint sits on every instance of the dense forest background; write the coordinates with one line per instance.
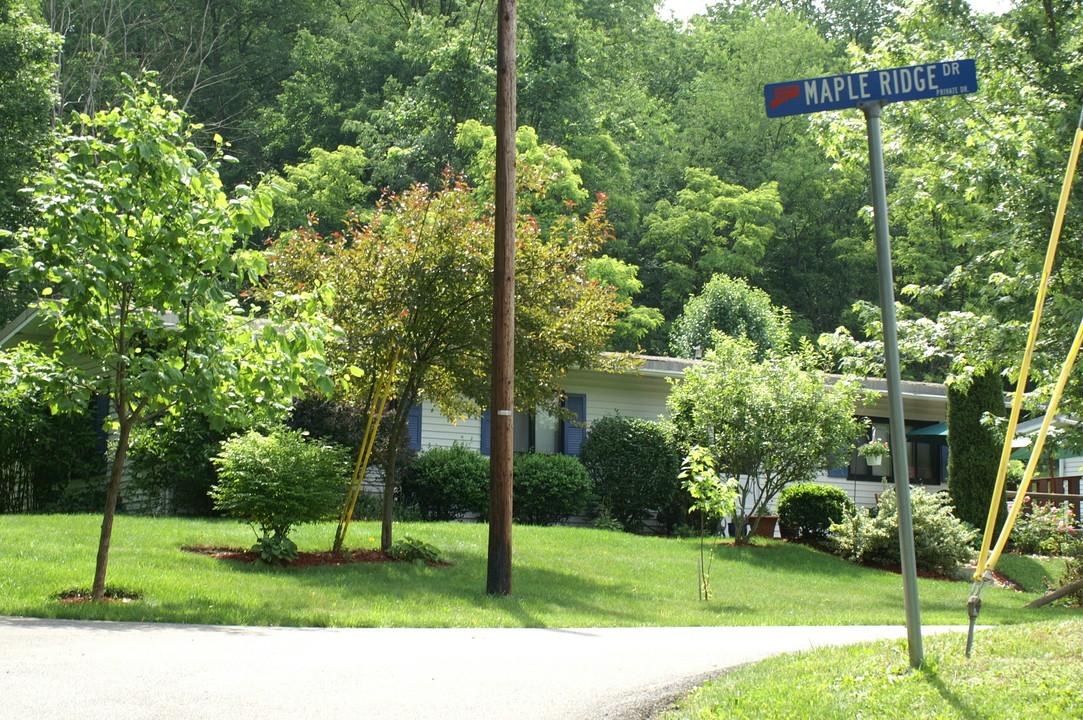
(338, 101)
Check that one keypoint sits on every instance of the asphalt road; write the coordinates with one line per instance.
(109, 670)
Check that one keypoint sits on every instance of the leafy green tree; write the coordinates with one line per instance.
(767, 423)
(27, 103)
(973, 447)
(222, 59)
(134, 255)
(714, 228)
(975, 184)
(417, 279)
(328, 186)
(638, 321)
(732, 307)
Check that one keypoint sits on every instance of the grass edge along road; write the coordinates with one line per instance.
(1023, 671)
(563, 577)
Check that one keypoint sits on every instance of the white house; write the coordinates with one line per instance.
(642, 393)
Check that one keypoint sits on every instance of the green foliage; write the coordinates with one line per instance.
(1073, 572)
(605, 521)
(413, 550)
(171, 460)
(942, 542)
(715, 227)
(447, 482)
(712, 498)
(810, 509)
(633, 465)
(277, 481)
(549, 488)
(732, 307)
(1046, 530)
(767, 423)
(27, 98)
(638, 321)
(328, 186)
(276, 549)
(417, 279)
(974, 448)
(42, 454)
(139, 296)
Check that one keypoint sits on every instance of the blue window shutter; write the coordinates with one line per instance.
(574, 433)
(843, 470)
(486, 432)
(413, 427)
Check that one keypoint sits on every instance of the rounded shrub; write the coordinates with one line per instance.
(277, 481)
(809, 509)
(942, 542)
(549, 488)
(633, 465)
(446, 482)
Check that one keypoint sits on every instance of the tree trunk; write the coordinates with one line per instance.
(389, 499)
(390, 462)
(117, 471)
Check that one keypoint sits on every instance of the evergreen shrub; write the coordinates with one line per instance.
(445, 483)
(549, 488)
(633, 466)
(809, 509)
(942, 542)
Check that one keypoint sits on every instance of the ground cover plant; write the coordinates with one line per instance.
(563, 577)
(1029, 671)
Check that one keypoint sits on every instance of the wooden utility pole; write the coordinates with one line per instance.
(503, 390)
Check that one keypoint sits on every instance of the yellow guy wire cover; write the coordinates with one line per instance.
(985, 562)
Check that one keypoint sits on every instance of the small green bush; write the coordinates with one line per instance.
(633, 465)
(414, 550)
(549, 488)
(942, 542)
(444, 483)
(809, 509)
(277, 481)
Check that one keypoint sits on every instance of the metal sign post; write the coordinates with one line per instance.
(869, 92)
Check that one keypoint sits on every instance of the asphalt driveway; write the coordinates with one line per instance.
(108, 670)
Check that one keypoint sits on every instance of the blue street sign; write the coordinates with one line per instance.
(839, 92)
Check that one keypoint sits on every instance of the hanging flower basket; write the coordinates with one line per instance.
(874, 452)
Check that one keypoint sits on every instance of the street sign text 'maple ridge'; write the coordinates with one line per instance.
(839, 92)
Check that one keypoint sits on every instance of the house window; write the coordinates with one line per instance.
(542, 433)
(927, 461)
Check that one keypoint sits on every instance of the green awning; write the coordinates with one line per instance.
(935, 434)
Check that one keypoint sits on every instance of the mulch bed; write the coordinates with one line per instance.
(304, 559)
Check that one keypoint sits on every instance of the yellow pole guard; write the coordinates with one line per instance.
(1039, 444)
(374, 394)
(1024, 368)
(383, 394)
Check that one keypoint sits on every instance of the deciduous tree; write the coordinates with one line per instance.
(417, 278)
(134, 252)
(767, 423)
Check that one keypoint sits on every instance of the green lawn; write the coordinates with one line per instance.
(563, 577)
(1020, 672)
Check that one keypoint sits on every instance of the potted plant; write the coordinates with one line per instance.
(874, 452)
